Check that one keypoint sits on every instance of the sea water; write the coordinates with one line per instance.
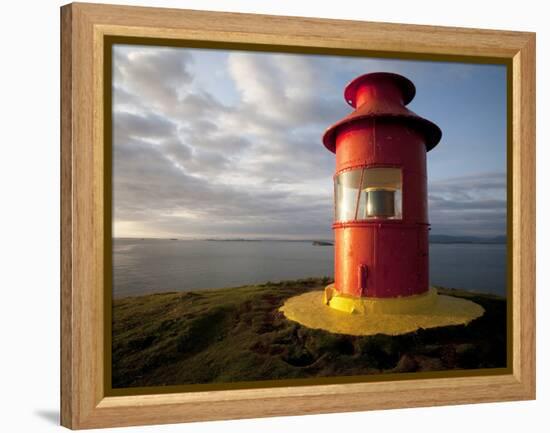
(143, 266)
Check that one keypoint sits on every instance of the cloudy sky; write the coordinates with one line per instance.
(211, 143)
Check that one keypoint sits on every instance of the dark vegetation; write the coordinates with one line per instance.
(237, 334)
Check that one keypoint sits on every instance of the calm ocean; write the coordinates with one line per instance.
(157, 265)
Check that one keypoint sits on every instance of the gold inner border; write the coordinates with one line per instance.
(109, 41)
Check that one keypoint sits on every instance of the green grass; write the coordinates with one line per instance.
(237, 334)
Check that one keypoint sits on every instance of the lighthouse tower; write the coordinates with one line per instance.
(380, 187)
(381, 267)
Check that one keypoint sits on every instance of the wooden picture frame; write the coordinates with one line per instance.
(84, 29)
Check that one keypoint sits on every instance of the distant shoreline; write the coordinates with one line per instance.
(325, 242)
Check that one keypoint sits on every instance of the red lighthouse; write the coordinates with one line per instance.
(380, 187)
(381, 221)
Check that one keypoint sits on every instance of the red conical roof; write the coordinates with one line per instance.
(383, 95)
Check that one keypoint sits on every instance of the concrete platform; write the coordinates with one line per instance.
(310, 309)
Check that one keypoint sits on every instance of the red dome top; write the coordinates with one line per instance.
(382, 95)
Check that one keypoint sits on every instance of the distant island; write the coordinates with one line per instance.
(323, 243)
(234, 240)
(446, 239)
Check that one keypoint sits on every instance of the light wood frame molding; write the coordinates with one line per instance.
(84, 403)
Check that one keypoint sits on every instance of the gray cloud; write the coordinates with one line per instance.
(149, 189)
(187, 164)
(149, 126)
(473, 205)
(156, 76)
(184, 163)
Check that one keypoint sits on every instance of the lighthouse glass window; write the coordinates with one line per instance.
(368, 193)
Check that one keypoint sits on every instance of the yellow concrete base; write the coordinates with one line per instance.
(370, 317)
(364, 305)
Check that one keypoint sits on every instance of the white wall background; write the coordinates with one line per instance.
(29, 221)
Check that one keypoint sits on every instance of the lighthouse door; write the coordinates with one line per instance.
(362, 278)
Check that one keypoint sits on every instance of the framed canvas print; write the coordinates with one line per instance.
(264, 215)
